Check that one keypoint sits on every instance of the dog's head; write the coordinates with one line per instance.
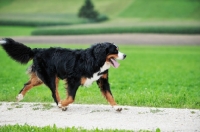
(108, 52)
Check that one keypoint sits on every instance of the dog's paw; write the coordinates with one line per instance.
(59, 104)
(64, 108)
(117, 108)
(19, 97)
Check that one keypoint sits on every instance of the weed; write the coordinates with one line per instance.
(142, 112)
(19, 106)
(15, 103)
(36, 108)
(155, 111)
(107, 110)
(126, 108)
(35, 105)
(95, 111)
(9, 108)
(47, 106)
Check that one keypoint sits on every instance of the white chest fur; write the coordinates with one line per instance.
(96, 75)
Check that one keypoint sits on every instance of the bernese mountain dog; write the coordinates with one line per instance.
(76, 67)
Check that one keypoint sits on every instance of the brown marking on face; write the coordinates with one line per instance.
(67, 101)
(111, 56)
(83, 79)
(34, 81)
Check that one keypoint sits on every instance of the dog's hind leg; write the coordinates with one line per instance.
(34, 81)
(51, 81)
(56, 91)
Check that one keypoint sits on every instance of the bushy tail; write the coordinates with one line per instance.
(17, 51)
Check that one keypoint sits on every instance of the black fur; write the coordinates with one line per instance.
(18, 51)
(67, 64)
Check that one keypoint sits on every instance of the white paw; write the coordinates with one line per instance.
(59, 104)
(19, 97)
(117, 108)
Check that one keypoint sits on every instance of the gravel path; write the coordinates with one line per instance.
(100, 116)
(155, 39)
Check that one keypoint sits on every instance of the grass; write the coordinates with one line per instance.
(59, 6)
(15, 31)
(164, 76)
(157, 9)
(27, 128)
(38, 20)
(133, 16)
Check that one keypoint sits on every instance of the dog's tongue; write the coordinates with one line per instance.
(115, 63)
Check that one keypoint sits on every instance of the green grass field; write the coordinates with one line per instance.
(133, 16)
(15, 30)
(164, 76)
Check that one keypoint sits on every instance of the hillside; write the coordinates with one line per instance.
(148, 16)
(185, 9)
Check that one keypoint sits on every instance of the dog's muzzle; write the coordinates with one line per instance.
(121, 56)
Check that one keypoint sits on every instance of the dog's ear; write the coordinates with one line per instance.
(100, 52)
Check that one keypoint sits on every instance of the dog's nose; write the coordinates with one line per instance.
(124, 56)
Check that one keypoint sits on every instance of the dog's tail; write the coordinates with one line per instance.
(17, 51)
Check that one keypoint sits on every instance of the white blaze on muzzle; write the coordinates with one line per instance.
(121, 56)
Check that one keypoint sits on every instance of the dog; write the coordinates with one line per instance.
(76, 67)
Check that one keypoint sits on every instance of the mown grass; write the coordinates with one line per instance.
(158, 9)
(165, 76)
(137, 12)
(15, 31)
(38, 20)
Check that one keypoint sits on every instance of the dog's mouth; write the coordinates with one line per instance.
(114, 63)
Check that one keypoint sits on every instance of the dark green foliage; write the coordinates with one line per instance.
(106, 30)
(38, 20)
(87, 11)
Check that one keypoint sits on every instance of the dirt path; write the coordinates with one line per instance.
(100, 116)
(155, 39)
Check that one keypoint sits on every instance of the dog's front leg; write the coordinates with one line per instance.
(72, 87)
(106, 92)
